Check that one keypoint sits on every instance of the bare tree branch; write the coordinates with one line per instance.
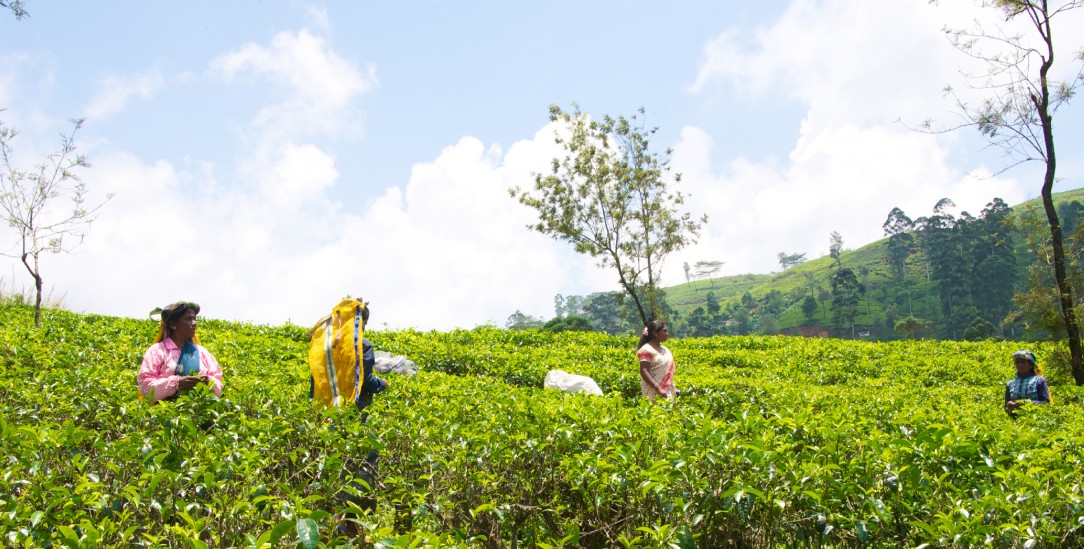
(29, 204)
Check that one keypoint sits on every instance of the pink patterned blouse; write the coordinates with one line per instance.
(159, 364)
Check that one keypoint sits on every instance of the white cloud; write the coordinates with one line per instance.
(320, 85)
(318, 18)
(450, 248)
(857, 67)
(114, 92)
(849, 61)
(300, 174)
(845, 179)
(864, 62)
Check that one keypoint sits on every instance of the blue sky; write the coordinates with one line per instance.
(267, 158)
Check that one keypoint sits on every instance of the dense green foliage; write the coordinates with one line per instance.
(940, 269)
(775, 441)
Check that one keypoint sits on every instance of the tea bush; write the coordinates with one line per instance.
(775, 441)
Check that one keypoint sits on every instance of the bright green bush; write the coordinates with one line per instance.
(775, 441)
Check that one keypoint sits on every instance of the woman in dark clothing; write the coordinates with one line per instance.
(1028, 385)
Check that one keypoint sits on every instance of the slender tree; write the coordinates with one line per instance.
(30, 203)
(787, 261)
(708, 270)
(901, 242)
(835, 248)
(846, 291)
(994, 261)
(1017, 114)
(809, 307)
(610, 198)
(522, 321)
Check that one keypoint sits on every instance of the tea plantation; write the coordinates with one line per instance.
(776, 441)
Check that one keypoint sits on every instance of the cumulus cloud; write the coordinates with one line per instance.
(114, 92)
(320, 85)
(852, 162)
(449, 248)
(849, 61)
(845, 180)
(270, 242)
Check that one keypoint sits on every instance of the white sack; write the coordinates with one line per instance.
(571, 383)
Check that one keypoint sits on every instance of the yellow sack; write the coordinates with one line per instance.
(335, 353)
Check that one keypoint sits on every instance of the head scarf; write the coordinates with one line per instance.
(1030, 357)
(170, 313)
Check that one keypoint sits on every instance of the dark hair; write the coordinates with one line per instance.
(649, 332)
(176, 310)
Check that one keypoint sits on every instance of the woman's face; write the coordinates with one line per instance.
(1023, 366)
(663, 334)
(184, 328)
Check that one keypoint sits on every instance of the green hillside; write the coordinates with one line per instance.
(693, 293)
(885, 300)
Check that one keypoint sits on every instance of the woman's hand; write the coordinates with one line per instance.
(188, 382)
(1012, 406)
(645, 374)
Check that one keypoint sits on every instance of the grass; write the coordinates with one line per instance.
(10, 295)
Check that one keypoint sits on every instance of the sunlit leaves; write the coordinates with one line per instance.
(776, 441)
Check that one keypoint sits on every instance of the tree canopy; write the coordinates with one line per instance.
(610, 196)
(1017, 113)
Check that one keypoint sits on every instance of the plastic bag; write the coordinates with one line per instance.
(389, 363)
(571, 383)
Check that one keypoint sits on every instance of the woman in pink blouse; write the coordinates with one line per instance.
(656, 362)
(176, 363)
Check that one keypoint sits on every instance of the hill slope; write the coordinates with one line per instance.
(884, 302)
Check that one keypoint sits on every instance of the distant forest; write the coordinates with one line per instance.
(942, 275)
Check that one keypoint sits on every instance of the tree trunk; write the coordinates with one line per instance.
(1065, 291)
(37, 286)
(37, 302)
(631, 290)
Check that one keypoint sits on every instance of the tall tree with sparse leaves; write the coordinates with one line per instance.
(835, 248)
(609, 196)
(787, 261)
(1017, 114)
(31, 203)
(707, 269)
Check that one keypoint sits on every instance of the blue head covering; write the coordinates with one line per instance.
(1030, 357)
